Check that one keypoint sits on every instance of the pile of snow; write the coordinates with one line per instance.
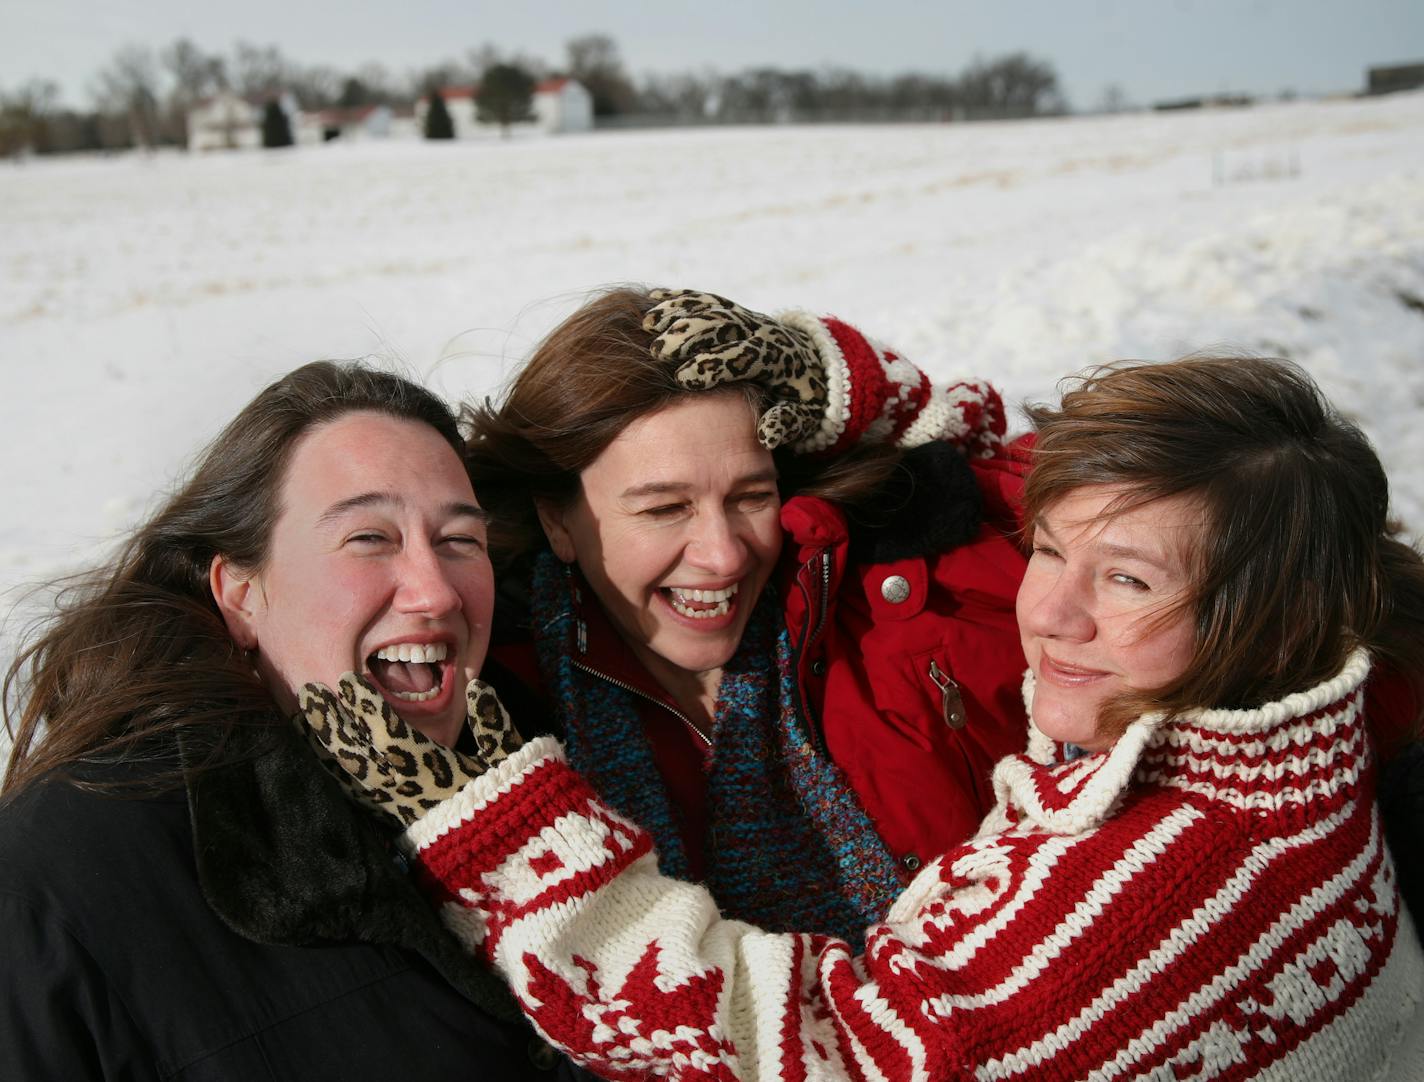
(143, 300)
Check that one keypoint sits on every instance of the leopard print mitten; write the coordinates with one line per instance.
(384, 764)
(715, 341)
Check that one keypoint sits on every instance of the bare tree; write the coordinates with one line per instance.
(593, 60)
(1012, 85)
(259, 71)
(444, 75)
(193, 75)
(129, 88)
(1113, 99)
(25, 117)
(316, 87)
(372, 84)
(685, 97)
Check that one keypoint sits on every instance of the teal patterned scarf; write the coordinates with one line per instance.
(789, 846)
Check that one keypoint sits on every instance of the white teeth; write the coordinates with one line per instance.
(720, 600)
(414, 696)
(704, 596)
(414, 651)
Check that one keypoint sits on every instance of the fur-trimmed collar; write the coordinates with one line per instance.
(283, 858)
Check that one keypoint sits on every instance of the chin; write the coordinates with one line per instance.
(702, 659)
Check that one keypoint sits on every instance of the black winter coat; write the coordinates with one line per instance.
(250, 926)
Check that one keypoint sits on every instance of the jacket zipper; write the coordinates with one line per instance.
(951, 702)
(707, 740)
(812, 721)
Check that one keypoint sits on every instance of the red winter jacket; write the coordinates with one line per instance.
(910, 667)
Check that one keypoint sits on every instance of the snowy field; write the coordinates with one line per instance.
(143, 300)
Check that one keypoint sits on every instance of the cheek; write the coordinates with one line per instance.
(636, 564)
(768, 538)
(1031, 591)
(476, 589)
(1160, 657)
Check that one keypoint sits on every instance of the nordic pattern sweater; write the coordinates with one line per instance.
(1208, 899)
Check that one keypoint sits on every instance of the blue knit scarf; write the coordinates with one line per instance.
(789, 846)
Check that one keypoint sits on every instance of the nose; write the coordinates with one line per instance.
(1058, 609)
(424, 585)
(715, 545)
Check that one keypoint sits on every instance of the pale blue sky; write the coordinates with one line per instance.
(1152, 49)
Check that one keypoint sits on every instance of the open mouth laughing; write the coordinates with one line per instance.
(410, 672)
(701, 604)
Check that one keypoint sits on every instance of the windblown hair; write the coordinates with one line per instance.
(139, 646)
(584, 384)
(1297, 563)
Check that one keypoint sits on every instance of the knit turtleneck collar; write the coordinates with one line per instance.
(1299, 756)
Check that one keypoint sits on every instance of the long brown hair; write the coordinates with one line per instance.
(1297, 564)
(584, 384)
(138, 646)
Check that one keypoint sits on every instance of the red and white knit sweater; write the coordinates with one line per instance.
(1209, 899)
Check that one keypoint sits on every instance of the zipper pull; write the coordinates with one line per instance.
(950, 701)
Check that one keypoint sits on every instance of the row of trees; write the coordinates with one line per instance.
(142, 96)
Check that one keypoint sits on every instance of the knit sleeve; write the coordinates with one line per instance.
(634, 974)
(877, 396)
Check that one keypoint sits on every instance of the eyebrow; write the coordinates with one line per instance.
(1121, 552)
(453, 509)
(1126, 552)
(664, 488)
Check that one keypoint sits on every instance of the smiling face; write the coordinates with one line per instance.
(377, 564)
(1100, 608)
(677, 528)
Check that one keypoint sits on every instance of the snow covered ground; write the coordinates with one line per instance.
(143, 300)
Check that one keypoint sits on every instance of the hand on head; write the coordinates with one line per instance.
(717, 341)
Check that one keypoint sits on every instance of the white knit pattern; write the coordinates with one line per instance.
(1211, 898)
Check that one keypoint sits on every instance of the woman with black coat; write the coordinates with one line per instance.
(184, 893)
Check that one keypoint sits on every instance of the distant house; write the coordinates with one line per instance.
(364, 122)
(1388, 79)
(228, 121)
(563, 105)
(224, 122)
(560, 105)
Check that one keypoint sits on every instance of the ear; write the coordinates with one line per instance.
(236, 595)
(551, 517)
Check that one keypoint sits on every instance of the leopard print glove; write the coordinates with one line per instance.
(384, 764)
(715, 341)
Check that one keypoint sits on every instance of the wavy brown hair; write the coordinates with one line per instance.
(584, 384)
(1298, 562)
(138, 646)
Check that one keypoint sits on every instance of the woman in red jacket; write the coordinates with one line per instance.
(741, 538)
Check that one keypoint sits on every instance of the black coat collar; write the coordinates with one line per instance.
(284, 858)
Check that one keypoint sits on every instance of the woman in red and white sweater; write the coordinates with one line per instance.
(1183, 876)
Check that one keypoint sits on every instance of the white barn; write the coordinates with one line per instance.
(228, 121)
(563, 105)
(224, 122)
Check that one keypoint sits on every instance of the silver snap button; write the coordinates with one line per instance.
(895, 589)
